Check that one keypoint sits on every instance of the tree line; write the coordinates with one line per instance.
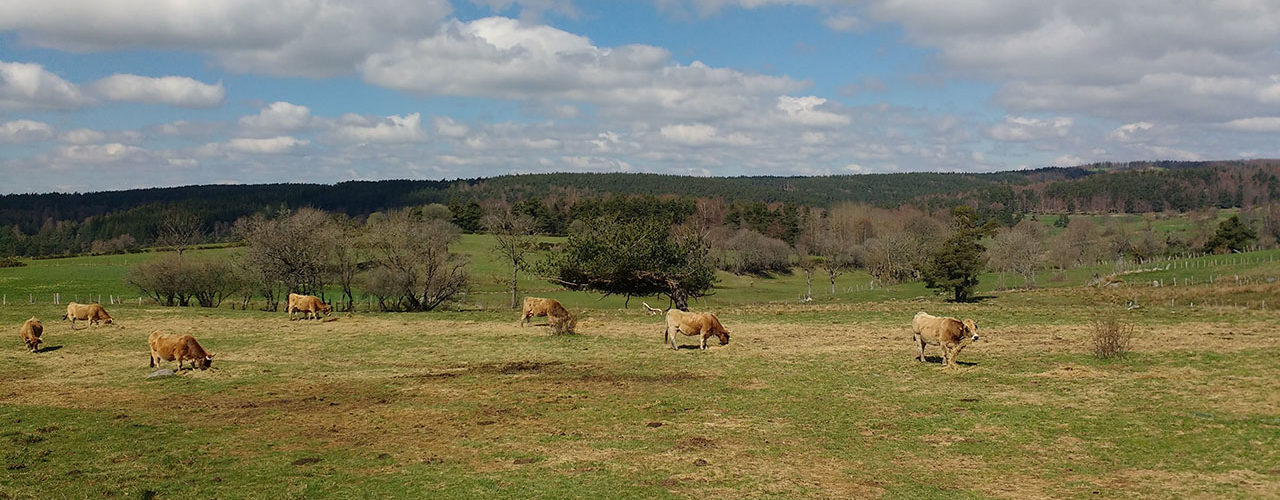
(122, 221)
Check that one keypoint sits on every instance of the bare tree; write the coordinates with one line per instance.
(411, 256)
(346, 254)
(289, 250)
(1017, 252)
(179, 230)
(515, 235)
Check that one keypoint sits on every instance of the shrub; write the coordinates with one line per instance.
(1111, 338)
(11, 262)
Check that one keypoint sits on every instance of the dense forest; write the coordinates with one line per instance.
(105, 222)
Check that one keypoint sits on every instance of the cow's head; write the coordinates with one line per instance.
(970, 329)
(325, 308)
(724, 337)
(208, 360)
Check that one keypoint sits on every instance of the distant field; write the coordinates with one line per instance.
(807, 400)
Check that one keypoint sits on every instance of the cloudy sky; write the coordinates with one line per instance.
(116, 94)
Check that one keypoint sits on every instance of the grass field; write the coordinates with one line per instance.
(808, 400)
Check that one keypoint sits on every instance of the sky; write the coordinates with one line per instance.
(118, 94)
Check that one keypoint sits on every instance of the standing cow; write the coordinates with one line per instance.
(950, 334)
(168, 347)
(703, 324)
(94, 313)
(309, 304)
(31, 331)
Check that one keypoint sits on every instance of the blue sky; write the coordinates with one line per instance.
(117, 94)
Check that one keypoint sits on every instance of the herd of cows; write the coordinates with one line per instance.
(949, 334)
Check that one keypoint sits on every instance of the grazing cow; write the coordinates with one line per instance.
(950, 334)
(309, 304)
(168, 347)
(31, 331)
(91, 312)
(694, 323)
(551, 308)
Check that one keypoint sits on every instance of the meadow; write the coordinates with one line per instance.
(820, 399)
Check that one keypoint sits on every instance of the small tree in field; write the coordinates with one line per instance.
(1232, 236)
(954, 268)
(515, 235)
(634, 258)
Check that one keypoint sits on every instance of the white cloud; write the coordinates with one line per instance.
(1129, 131)
(700, 134)
(25, 131)
(271, 146)
(504, 58)
(1255, 124)
(97, 153)
(277, 118)
(82, 136)
(392, 129)
(447, 127)
(295, 38)
(844, 22)
(29, 86)
(1020, 129)
(172, 90)
(805, 111)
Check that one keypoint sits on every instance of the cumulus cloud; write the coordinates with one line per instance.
(26, 86)
(700, 134)
(391, 129)
(172, 90)
(1129, 131)
(806, 111)
(1255, 124)
(296, 38)
(97, 153)
(25, 131)
(82, 136)
(269, 146)
(1019, 129)
(504, 58)
(277, 118)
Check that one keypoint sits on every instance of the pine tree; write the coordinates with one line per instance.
(955, 266)
(1232, 236)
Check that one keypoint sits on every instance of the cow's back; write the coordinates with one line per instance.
(32, 329)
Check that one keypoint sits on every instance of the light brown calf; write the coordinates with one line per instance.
(309, 304)
(551, 308)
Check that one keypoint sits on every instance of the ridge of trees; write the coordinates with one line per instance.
(116, 221)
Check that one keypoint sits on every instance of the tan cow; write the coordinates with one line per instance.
(551, 308)
(950, 334)
(94, 313)
(168, 347)
(31, 331)
(309, 304)
(703, 324)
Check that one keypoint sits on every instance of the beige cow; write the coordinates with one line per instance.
(703, 324)
(951, 334)
(94, 313)
(309, 304)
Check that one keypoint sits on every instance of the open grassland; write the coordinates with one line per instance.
(814, 400)
(808, 400)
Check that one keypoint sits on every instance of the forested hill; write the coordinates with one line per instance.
(1113, 187)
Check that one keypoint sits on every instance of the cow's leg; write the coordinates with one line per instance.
(919, 348)
(152, 359)
(704, 340)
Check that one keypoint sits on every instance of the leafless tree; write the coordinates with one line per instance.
(179, 230)
(515, 236)
(346, 254)
(411, 256)
(289, 249)
(1017, 252)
